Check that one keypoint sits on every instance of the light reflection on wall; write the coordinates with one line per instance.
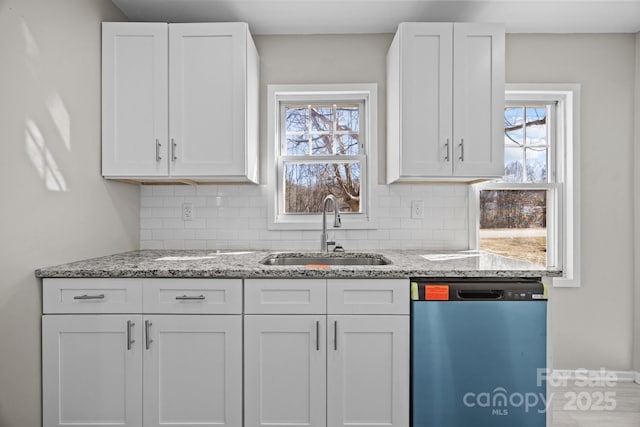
(42, 158)
(60, 117)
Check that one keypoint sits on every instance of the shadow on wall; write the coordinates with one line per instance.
(36, 145)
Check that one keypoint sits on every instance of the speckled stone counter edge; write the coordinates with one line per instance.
(246, 264)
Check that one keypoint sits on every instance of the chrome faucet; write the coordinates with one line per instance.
(324, 243)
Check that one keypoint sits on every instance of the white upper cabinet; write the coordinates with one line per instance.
(134, 99)
(445, 102)
(180, 102)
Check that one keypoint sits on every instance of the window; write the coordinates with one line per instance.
(532, 212)
(517, 212)
(321, 144)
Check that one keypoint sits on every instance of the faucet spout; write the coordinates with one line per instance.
(324, 244)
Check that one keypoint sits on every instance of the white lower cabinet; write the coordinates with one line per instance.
(323, 370)
(316, 353)
(368, 371)
(285, 370)
(92, 370)
(139, 369)
(192, 371)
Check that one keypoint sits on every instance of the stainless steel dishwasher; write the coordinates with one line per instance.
(478, 353)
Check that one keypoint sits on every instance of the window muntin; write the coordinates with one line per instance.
(321, 151)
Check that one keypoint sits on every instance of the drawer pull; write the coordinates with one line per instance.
(86, 297)
(191, 298)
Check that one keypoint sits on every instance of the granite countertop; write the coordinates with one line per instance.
(246, 264)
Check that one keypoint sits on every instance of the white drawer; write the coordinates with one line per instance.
(194, 296)
(285, 296)
(92, 296)
(368, 296)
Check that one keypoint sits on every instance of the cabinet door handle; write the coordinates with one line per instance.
(187, 297)
(147, 333)
(335, 335)
(85, 297)
(446, 146)
(461, 145)
(130, 340)
(158, 147)
(317, 335)
(174, 156)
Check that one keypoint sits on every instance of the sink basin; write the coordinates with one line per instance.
(325, 259)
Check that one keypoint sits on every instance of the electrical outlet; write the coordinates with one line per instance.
(417, 209)
(187, 211)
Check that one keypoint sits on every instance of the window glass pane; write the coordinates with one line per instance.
(536, 129)
(321, 145)
(297, 145)
(348, 118)
(513, 223)
(307, 184)
(513, 166)
(536, 164)
(321, 118)
(513, 129)
(347, 144)
(296, 119)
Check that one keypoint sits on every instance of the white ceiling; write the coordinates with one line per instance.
(383, 16)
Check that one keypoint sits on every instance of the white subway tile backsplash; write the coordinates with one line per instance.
(184, 190)
(235, 217)
(163, 190)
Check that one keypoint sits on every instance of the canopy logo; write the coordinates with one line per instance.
(500, 401)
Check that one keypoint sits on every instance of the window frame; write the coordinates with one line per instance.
(563, 201)
(279, 95)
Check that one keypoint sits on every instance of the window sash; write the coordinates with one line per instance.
(283, 158)
(283, 105)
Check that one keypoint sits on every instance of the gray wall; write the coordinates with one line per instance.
(55, 205)
(593, 325)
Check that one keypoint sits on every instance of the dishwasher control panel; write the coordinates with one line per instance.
(481, 290)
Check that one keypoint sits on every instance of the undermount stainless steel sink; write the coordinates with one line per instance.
(325, 259)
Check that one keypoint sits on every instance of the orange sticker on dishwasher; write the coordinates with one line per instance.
(317, 266)
(436, 292)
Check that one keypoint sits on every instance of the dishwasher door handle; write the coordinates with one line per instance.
(484, 294)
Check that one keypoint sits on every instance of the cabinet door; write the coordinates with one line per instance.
(207, 98)
(368, 371)
(285, 371)
(420, 96)
(134, 99)
(193, 370)
(478, 112)
(425, 99)
(91, 370)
